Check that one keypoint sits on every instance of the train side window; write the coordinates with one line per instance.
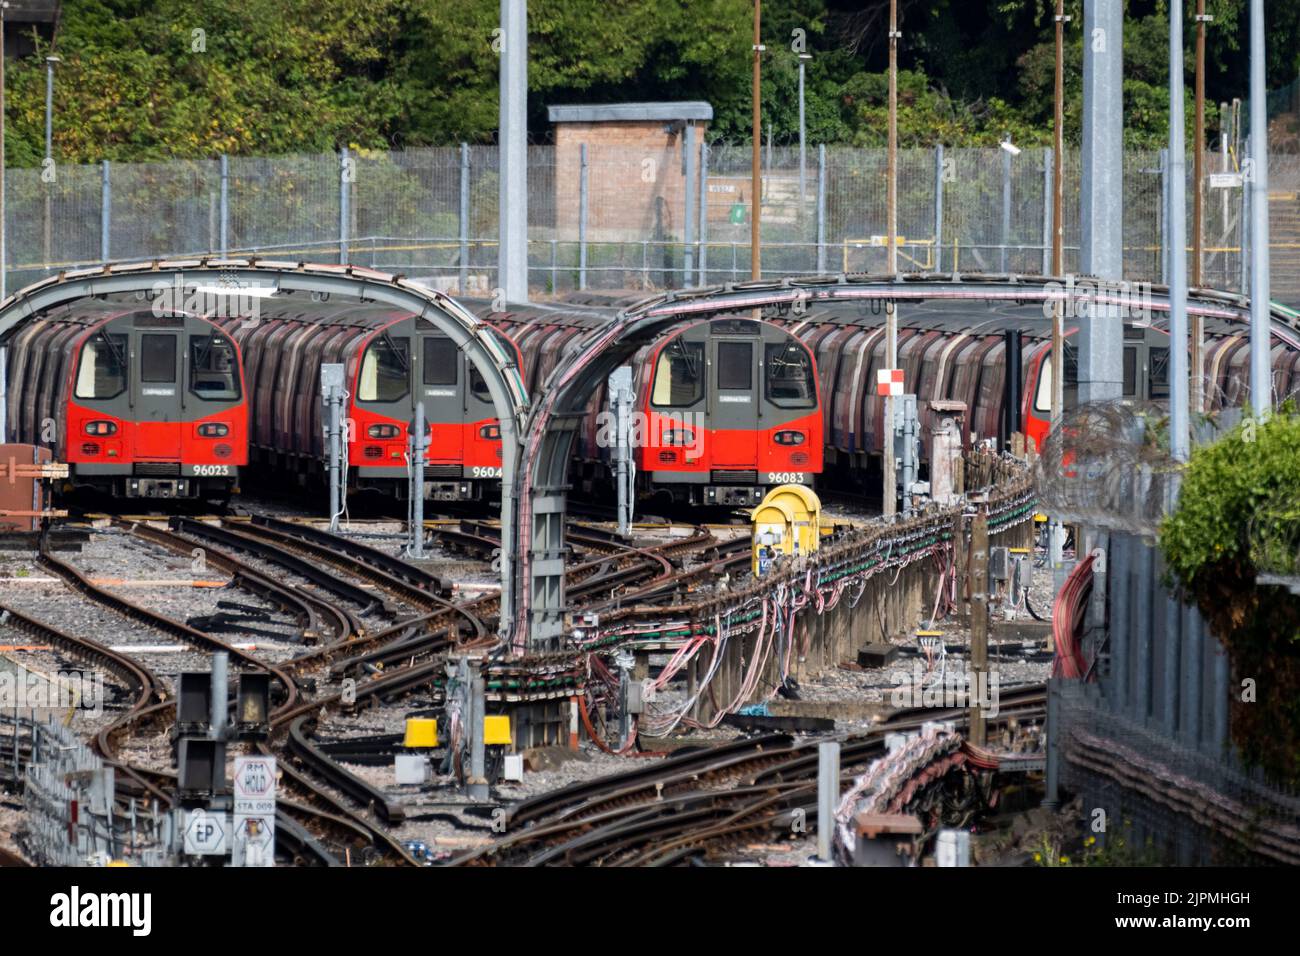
(214, 372)
(1130, 371)
(1158, 376)
(157, 358)
(1043, 398)
(735, 366)
(789, 376)
(385, 370)
(441, 356)
(679, 375)
(102, 370)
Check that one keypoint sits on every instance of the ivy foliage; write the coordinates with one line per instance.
(1232, 546)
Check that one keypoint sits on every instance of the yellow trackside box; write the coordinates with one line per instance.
(421, 732)
(496, 730)
(787, 522)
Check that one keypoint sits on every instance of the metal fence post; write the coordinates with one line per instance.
(584, 197)
(828, 795)
(1049, 159)
(702, 258)
(419, 443)
(938, 208)
(688, 236)
(1006, 210)
(464, 217)
(344, 164)
(1244, 231)
(225, 205)
(105, 211)
(1164, 217)
(821, 208)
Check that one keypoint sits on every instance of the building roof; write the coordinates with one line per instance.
(631, 112)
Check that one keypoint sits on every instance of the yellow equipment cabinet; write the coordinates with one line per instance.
(496, 730)
(773, 534)
(788, 521)
(421, 732)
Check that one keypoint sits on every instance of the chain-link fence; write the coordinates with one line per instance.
(626, 217)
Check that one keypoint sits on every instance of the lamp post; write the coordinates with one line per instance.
(4, 262)
(50, 61)
(47, 171)
(803, 155)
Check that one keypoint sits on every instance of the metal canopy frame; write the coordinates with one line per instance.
(471, 334)
(540, 606)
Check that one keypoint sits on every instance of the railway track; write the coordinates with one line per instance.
(701, 802)
(309, 825)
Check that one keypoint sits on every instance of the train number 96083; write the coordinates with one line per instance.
(786, 477)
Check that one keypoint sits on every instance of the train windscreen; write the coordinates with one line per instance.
(385, 370)
(789, 375)
(214, 371)
(102, 371)
(679, 375)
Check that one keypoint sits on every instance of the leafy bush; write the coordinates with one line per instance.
(1237, 521)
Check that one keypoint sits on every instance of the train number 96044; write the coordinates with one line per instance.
(486, 471)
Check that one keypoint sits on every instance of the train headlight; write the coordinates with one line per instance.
(213, 430)
(101, 428)
(382, 431)
(490, 432)
(790, 438)
(679, 436)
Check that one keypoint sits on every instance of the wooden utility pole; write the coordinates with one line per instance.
(1198, 212)
(756, 161)
(979, 622)
(1058, 225)
(890, 490)
(4, 271)
(1054, 531)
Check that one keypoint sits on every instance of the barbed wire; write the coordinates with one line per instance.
(1107, 465)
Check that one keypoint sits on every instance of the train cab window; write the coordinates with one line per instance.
(1043, 397)
(441, 359)
(157, 358)
(789, 376)
(385, 370)
(679, 375)
(478, 384)
(102, 370)
(1158, 376)
(1130, 371)
(735, 366)
(214, 371)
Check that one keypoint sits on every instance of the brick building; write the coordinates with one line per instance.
(637, 171)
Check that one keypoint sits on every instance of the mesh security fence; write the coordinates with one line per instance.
(630, 217)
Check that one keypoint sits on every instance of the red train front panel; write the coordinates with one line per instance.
(729, 408)
(156, 408)
(401, 365)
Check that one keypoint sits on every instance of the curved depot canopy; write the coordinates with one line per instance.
(227, 284)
